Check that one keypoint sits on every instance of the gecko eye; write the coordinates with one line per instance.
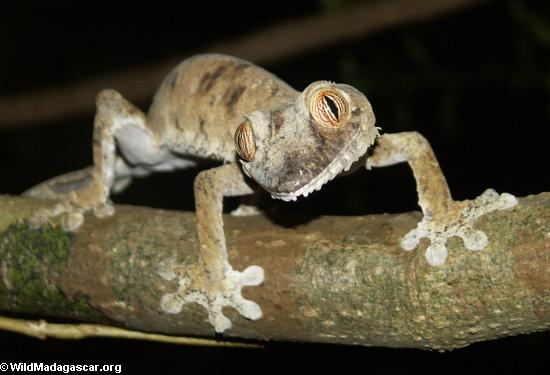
(329, 108)
(244, 141)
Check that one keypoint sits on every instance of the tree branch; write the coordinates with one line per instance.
(329, 279)
(274, 43)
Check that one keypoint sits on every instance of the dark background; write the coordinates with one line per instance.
(476, 83)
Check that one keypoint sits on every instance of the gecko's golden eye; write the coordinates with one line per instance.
(244, 141)
(328, 107)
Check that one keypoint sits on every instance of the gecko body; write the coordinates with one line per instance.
(265, 134)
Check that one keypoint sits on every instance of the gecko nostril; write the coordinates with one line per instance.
(245, 144)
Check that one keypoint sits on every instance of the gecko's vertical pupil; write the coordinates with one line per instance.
(332, 107)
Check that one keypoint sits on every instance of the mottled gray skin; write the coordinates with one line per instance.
(290, 143)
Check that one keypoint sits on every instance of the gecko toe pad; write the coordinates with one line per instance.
(439, 230)
(70, 218)
(227, 293)
(436, 253)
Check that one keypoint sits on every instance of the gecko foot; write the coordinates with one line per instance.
(77, 193)
(459, 222)
(226, 292)
(246, 210)
(71, 217)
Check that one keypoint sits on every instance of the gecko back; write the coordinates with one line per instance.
(203, 100)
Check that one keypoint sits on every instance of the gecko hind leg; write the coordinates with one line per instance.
(89, 189)
(443, 216)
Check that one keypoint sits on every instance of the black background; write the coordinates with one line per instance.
(476, 83)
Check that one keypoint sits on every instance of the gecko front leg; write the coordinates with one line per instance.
(218, 284)
(443, 217)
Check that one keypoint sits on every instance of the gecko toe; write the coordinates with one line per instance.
(436, 254)
(250, 310)
(508, 200)
(475, 240)
(411, 239)
(72, 221)
(489, 195)
(69, 217)
(220, 322)
(490, 200)
(104, 210)
(252, 276)
(171, 303)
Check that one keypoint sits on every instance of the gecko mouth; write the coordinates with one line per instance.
(349, 155)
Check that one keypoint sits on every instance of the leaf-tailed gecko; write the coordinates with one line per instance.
(266, 134)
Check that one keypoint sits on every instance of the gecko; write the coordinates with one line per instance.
(265, 135)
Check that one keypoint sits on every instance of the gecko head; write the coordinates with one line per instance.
(296, 148)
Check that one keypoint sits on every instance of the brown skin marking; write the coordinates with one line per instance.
(234, 97)
(274, 91)
(173, 78)
(209, 78)
(277, 119)
(205, 79)
(177, 122)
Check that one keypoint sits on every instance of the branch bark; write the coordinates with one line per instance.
(268, 45)
(328, 279)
